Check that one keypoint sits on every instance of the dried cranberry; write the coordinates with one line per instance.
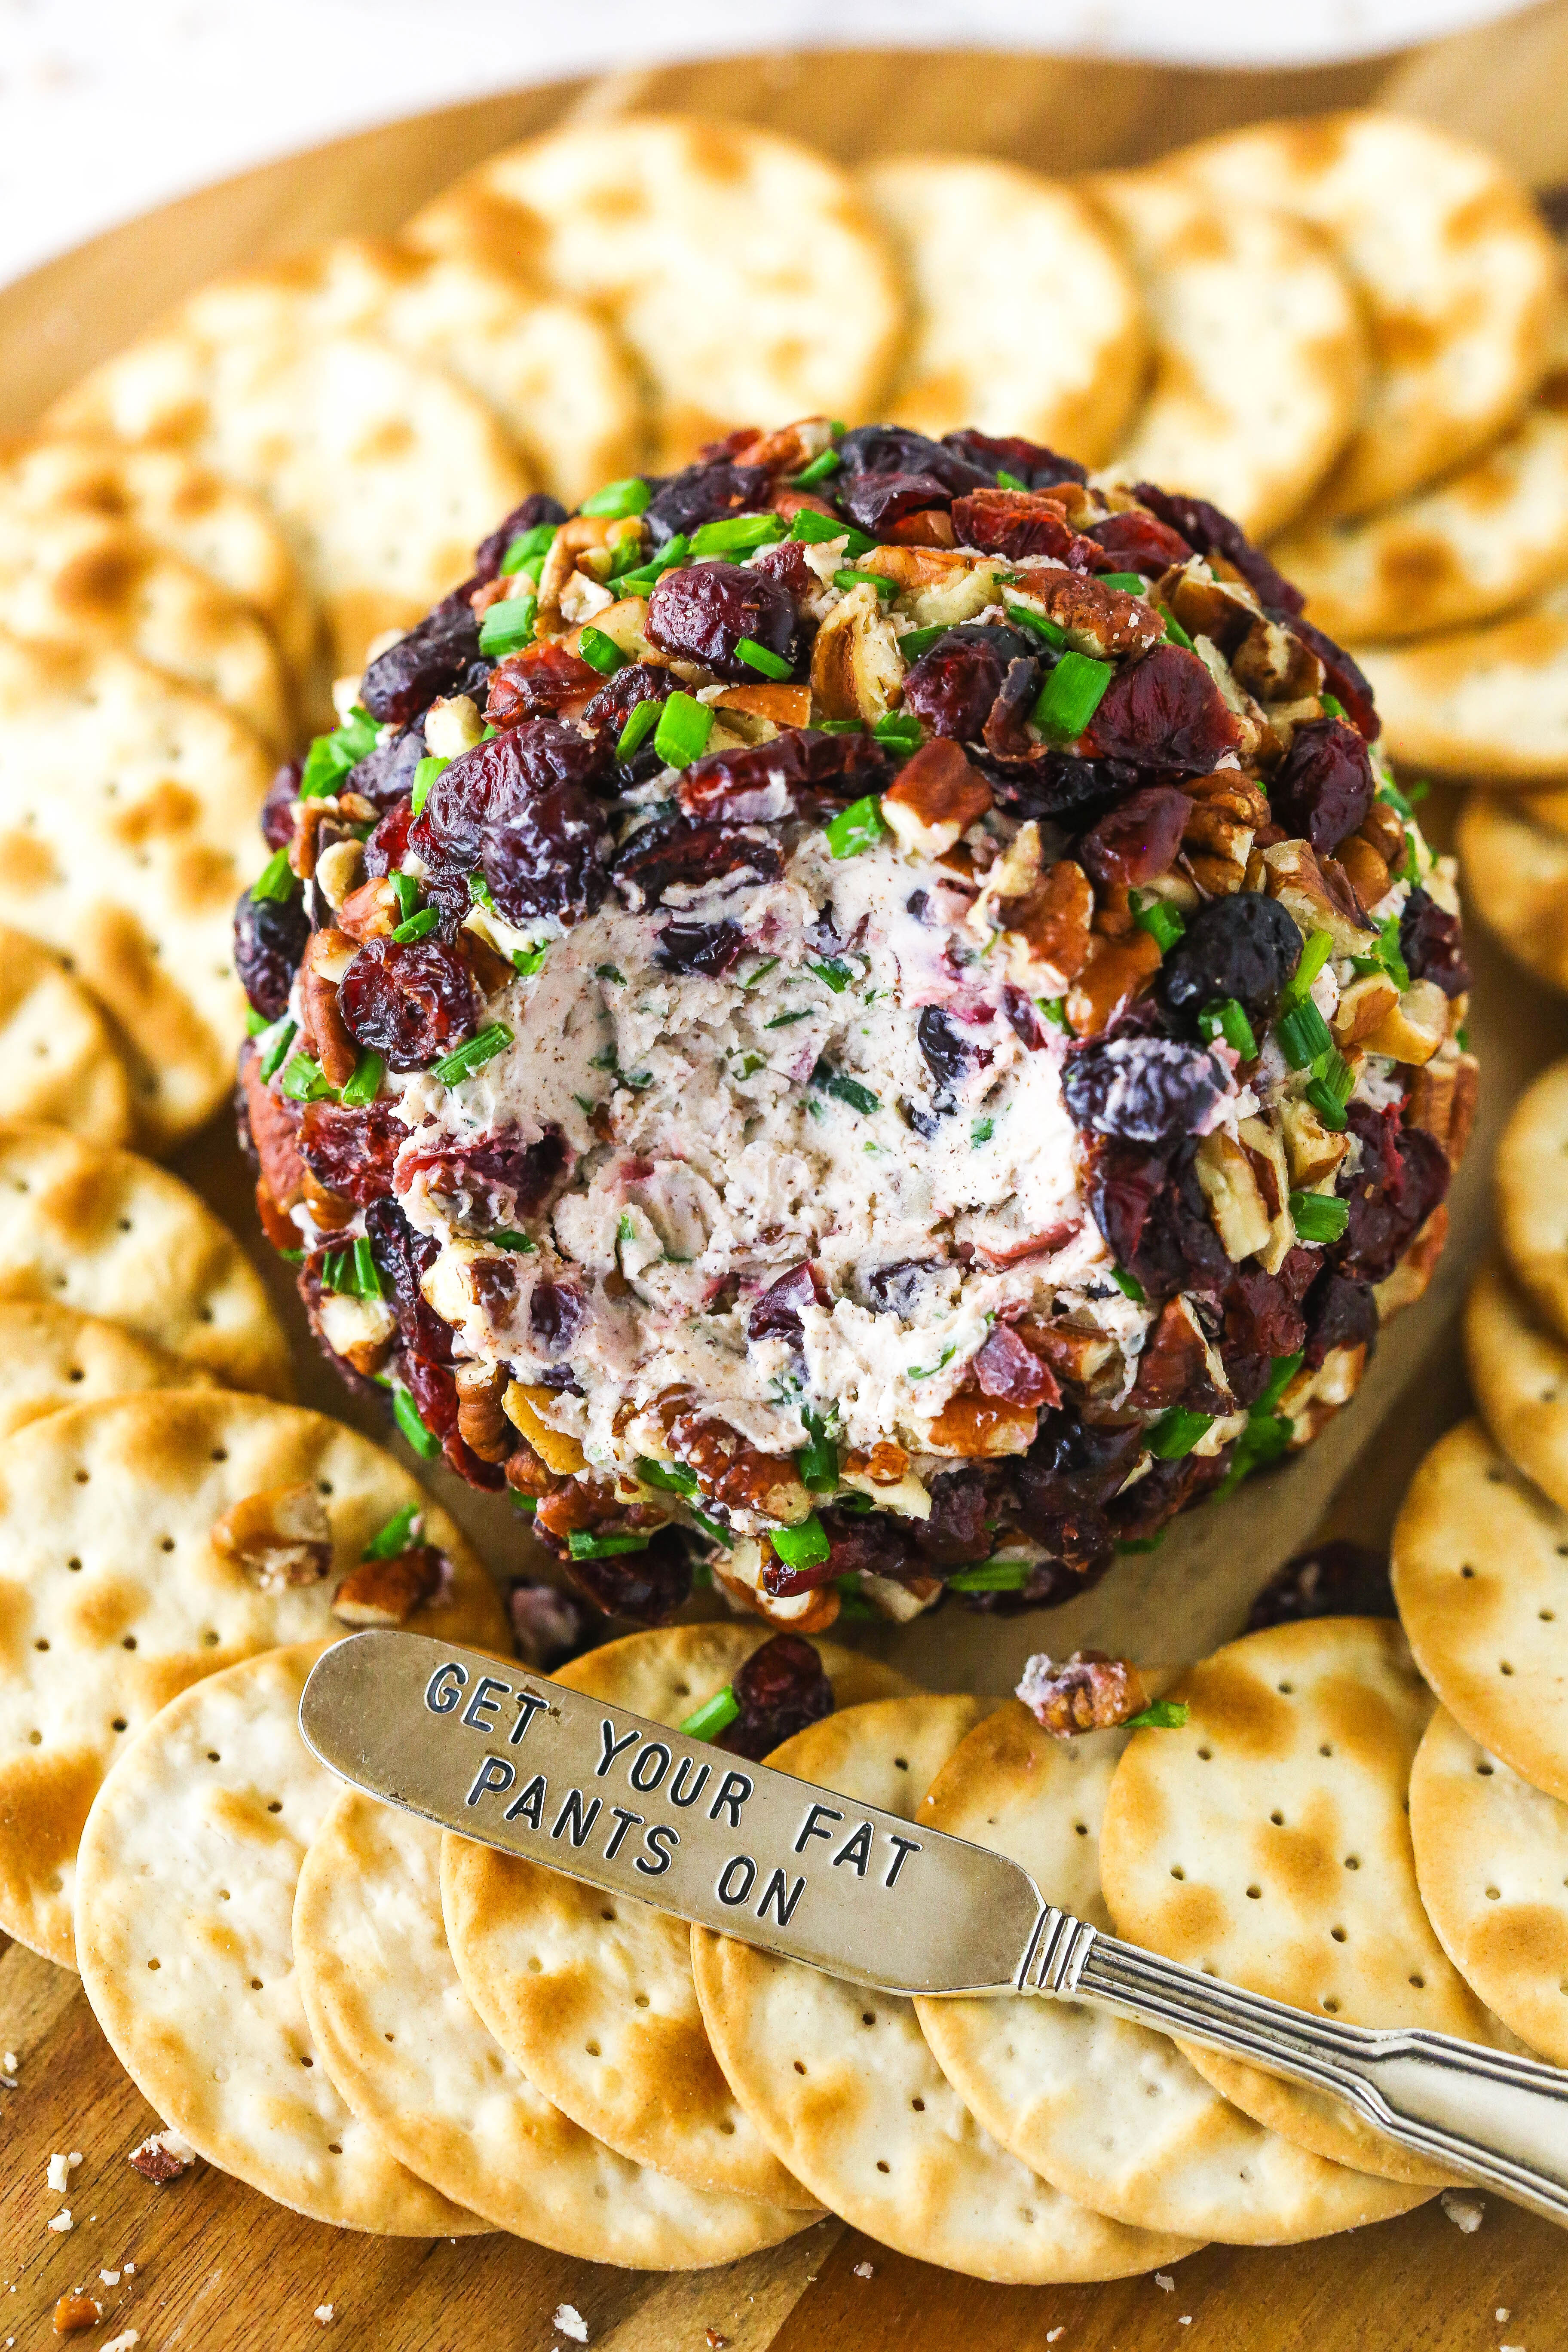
(611, 708)
(429, 661)
(777, 1314)
(543, 854)
(1245, 947)
(269, 936)
(388, 845)
(1072, 1465)
(957, 1532)
(878, 502)
(435, 1393)
(1262, 1322)
(352, 1152)
(410, 1002)
(954, 683)
(1004, 1367)
(1432, 942)
(538, 682)
(1056, 785)
(385, 775)
(1165, 1489)
(1164, 710)
(447, 831)
(674, 849)
(707, 947)
(1019, 523)
(786, 562)
(1334, 1580)
(538, 508)
(1155, 1219)
(779, 1689)
(705, 493)
(555, 1315)
(1341, 677)
(1137, 542)
(1339, 1313)
(648, 1586)
(1139, 839)
(702, 611)
(1141, 1089)
(767, 781)
(1323, 788)
(278, 808)
(867, 1543)
(402, 1255)
(1403, 1173)
(1203, 526)
(895, 1288)
(897, 449)
(947, 1054)
(1029, 462)
(494, 1182)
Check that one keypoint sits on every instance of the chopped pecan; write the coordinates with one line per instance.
(980, 1427)
(578, 535)
(1411, 1276)
(274, 1124)
(938, 796)
(1383, 829)
(453, 725)
(1313, 1150)
(1104, 622)
(76, 2311)
(558, 1452)
(1084, 1361)
(738, 1473)
(1414, 1026)
(787, 449)
(371, 911)
(332, 1211)
(1365, 1006)
(857, 670)
(361, 1330)
(1443, 1102)
(280, 1230)
(388, 1592)
(901, 1597)
(280, 1537)
(1236, 1200)
(1177, 1364)
(785, 706)
(1113, 972)
(1087, 1691)
(1368, 872)
(885, 1465)
(1227, 811)
(1276, 666)
(338, 869)
(322, 1030)
(527, 1471)
(1317, 895)
(482, 1422)
(162, 2158)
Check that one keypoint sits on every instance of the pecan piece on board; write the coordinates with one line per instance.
(280, 1537)
(387, 1592)
(1087, 1691)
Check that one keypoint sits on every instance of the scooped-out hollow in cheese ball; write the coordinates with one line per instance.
(862, 1021)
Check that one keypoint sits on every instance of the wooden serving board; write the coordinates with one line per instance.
(219, 2267)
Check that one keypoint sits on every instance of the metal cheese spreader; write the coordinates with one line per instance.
(514, 1761)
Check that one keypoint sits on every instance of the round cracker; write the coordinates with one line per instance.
(1533, 1194)
(383, 472)
(188, 1867)
(1518, 1371)
(1260, 352)
(51, 1357)
(843, 2084)
(1489, 702)
(554, 373)
(1107, 2110)
(738, 266)
(1491, 1857)
(1026, 317)
(212, 523)
(114, 1596)
(128, 827)
(592, 1997)
(112, 1235)
(59, 1058)
(406, 2049)
(1266, 1841)
(1456, 273)
(85, 581)
(1481, 1576)
(1516, 879)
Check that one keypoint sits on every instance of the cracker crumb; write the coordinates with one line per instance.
(569, 2321)
(12, 2062)
(1510, 2347)
(1186, 2321)
(864, 2270)
(109, 2278)
(1502, 2315)
(129, 2270)
(1465, 2210)
(1164, 2281)
(714, 2341)
(125, 2343)
(1052, 2333)
(61, 2222)
(326, 2312)
(60, 2170)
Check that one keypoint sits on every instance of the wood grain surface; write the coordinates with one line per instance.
(217, 2266)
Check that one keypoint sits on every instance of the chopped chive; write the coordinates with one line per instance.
(425, 775)
(652, 568)
(1071, 696)
(847, 580)
(630, 495)
(788, 1020)
(585, 1545)
(405, 889)
(818, 527)
(832, 973)
(1318, 1216)
(1131, 584)
(1055, 1009)
(1176, 1433)
(714, 1715)
(1130, 1286)
(1174, 630)
(1332, 707)
(367, 1274)
(1162, 921)
(272, 1045)
(825, 462)
(600, 652)
(507, 628)
(642, 722)
(528, 547)
(526, 961)
(1023, 618)
(1164, 1714)
(366, 1084)
(255, 1023)
(330, 757)
(991, 1576)
(394, 1536)
(841, 727)
(1227, 1019)
(1141, 1543)
(769, 963)
(817, 1462)
(492, 1040)
(899, 733)
(417, 927)
(669, 1477)
(1328, 1105)
(480, 892)
(683, 730)
(1403, 802)
(277, 879)
(761, 657)
(337, 1273)
(737, 534)
(800, 1545)
(1006, 481)
(507, 1237)
(303, 1081)
(915, 642)
(857, 828)
(1313, 957)
(1285, 1370)
(1303, 1034)
(1386, 956)
(405, 1413)
(843, 1089)
(983, 1130)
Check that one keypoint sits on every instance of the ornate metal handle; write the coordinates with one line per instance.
(1498, 2119)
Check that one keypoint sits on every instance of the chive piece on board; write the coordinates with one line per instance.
(406, 1413)
(714, 1715)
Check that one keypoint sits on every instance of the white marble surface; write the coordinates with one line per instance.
(107, 107)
